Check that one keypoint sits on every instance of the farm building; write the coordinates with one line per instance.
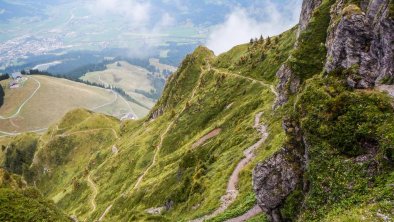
(14, 84)
(127, 116)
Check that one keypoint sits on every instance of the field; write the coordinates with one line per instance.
(161, 67)
(130, 78)
(44, 100)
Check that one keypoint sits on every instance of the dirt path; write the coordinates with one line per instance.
(387, 88)
(94, 188)
(26, 101)
(158, 148)
(89, 131)
(246, 216)
(232, 191)
(121, 97)
(206, 137)
(106, 104)
(271, 87)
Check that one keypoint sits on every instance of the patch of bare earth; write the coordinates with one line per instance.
(208, 136)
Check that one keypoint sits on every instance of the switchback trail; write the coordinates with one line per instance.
(94, 188)
(158, 147)
(271, 87)
(232, 191)
(24, 103)
(89, 131)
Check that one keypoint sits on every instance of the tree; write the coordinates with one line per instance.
(276, 40)
(251, 41)
(268, 41)
(261, 39)
(4, 76)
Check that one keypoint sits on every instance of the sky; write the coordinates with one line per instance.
(241, 20)
(267, 18)
(218, 24)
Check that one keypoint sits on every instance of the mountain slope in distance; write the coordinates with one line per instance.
(43, 100)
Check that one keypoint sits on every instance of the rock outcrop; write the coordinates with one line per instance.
(308, 6)
(274, 180)
(360, 45)
(156, 113)
(288, 82)
(361, 38)
(278, 176)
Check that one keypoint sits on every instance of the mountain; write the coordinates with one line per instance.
(296, 127)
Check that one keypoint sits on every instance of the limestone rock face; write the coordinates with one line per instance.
(156, 113)
(287, 81)
(274, 180)
(308, 6)
(361, 39)
(278, 176)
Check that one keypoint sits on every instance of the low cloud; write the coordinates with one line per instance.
(242, 24)
(137, 12)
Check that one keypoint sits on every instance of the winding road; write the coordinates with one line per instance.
(24, 103)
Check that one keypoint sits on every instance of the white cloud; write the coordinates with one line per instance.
(244, 23)
(137, 12)
(2, 11)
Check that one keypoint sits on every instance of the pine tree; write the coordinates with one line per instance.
(261, 39)
(268, 41)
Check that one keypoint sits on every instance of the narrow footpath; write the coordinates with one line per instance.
(232, 191)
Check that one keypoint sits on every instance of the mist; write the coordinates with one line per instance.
(242, 24)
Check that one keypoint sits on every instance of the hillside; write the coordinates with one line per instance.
(137, 82)
(43, 100)
(289, 128)
(18, 202)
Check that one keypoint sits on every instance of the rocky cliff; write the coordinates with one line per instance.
(357, 52)
(361, 38)
(358, 43)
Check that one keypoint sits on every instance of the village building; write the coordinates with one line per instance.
(127, 116)
(14, 84)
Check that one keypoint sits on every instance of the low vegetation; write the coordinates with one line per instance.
(127, 169)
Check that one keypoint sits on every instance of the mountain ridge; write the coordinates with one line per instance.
(329, 144)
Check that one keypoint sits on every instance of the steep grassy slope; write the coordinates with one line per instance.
(93, 169)
(21, 203)
(177, 164)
